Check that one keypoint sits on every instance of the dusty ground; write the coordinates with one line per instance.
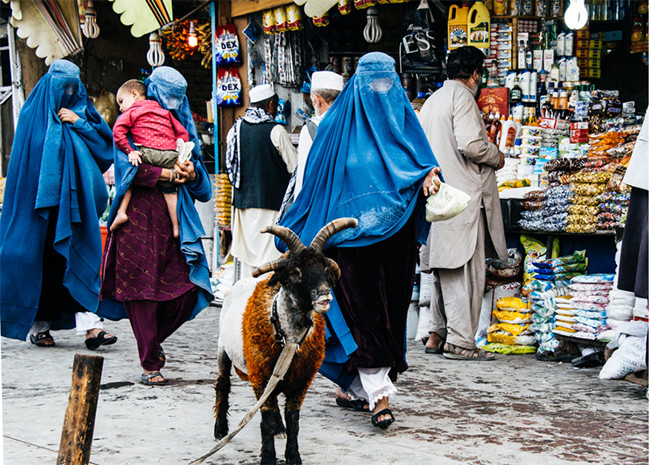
(513, 411)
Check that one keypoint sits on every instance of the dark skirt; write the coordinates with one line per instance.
(633, 269)
(374, 294)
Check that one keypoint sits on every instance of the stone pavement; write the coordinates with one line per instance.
(515, 410)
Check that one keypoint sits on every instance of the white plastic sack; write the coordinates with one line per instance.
(446, 203)
(628, 358)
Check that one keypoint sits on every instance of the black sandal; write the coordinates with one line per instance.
(384, 423)
(43, 339)
(100, 340)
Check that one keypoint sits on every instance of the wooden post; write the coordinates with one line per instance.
(79, 421)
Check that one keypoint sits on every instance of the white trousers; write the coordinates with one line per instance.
(372, 384)
(83, 322)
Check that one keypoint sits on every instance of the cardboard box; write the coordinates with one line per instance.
(596, 44)
(593, 73)
(594, 53)
(611, 36)
(494, 99)
(593, 63)
(583, 62)
(582, 43)
(582, 53)
(582, 34)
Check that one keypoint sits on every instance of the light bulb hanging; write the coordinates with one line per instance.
(155, 55)
(372, 32)
(192, 39)
(576, 15)
(90, 28)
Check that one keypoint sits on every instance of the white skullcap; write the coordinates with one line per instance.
(260, 93)
(326, 80)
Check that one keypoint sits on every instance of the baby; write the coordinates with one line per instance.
(158, 137)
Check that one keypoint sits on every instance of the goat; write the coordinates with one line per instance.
(258, 315)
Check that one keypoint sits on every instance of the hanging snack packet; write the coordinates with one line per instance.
(361, 4)
(227, 46)
(268, 22)
(345, 6)
(228, 87)
(294, 17)
(322, 21)
(281, 24)
(279, 117)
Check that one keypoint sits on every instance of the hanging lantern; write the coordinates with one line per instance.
(155, 55)
(192, 39)
(90, 27)
(372, 32)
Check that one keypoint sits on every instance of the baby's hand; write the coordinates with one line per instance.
(135, 158)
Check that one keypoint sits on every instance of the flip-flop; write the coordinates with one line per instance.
(100, 340)
(44, 339)
(358, 404)
(434, 350)
(147, 377)
(384, 423)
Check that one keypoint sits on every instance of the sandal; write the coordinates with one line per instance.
(435, 350)
(162, 357)
(147, 377)
(358, 404)
(44, 339)
(383, 423)
(454, 352)
(101, 339)
(554, 356)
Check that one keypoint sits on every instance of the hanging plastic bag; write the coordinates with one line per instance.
(446, 203)
(227, 46)
(228, 87)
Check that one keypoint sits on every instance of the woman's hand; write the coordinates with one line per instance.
(431, 182)
(185, 172)
(67, 116)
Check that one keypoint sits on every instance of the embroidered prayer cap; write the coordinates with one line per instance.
(326, 80)
(261, 93)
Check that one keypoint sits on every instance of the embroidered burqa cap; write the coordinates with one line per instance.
(326, 80)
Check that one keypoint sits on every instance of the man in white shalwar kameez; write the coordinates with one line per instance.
(457, 248)
(259, 160)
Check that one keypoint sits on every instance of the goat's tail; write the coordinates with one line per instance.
(281, 366)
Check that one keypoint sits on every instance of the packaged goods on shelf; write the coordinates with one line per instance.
(223, 200)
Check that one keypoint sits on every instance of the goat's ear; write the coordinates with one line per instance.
(295, 275)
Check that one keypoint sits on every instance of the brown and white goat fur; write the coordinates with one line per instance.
(301, 286)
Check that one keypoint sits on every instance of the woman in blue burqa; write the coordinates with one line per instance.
(50, 243)
(155, 280)
(370, 160)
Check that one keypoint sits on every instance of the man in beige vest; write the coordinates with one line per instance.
(457, 248)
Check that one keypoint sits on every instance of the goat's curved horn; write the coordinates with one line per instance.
(287, 236)
(336, 271)
(330, 229)
(270, 266)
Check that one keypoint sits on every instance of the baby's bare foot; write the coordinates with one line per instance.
(120, 219)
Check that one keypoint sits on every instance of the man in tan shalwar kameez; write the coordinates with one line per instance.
(457, 248)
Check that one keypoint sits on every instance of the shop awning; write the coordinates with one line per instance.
(51, 27)
(144, 16)
(244, 7)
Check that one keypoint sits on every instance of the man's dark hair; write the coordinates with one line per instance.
(264, 104)
(134, 84)
(462, 62)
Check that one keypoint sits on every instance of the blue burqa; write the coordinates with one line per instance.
(368, 161)
(167, 86)
(54, 167)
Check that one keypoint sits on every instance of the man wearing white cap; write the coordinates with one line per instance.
(325, 87)
(259, 161)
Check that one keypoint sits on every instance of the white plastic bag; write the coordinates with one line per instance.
(446, 203)
(628, 358)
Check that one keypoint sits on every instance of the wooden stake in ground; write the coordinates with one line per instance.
(79, 421)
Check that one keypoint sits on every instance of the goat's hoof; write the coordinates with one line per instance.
(220, 432)
(293, 460)
(268, 461)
